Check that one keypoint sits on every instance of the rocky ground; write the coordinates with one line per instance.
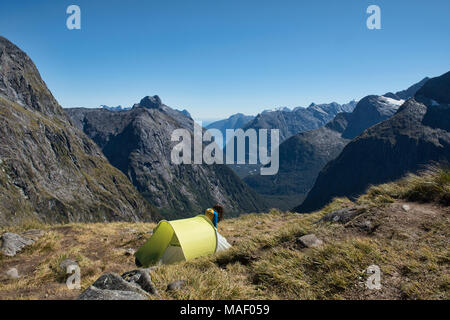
(278, 255)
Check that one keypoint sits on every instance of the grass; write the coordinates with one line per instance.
(410, 247)
(431, 185)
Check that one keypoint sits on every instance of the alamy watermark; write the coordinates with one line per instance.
(373, 282)
(242, 145)
(74, 20)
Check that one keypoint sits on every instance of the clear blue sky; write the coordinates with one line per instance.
(216, 57)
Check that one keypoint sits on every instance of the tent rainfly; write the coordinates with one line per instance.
(179, 240)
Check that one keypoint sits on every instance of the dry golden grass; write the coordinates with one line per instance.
(411, 248)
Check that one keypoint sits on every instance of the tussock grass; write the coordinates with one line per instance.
(265, 262)
(430, 185)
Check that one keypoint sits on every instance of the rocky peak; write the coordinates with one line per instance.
(435, 91)
(21, 82)
(149, 102)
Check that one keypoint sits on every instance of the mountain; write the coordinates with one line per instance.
(303, 155)
(290, 122)
(138, 142)
(417, 135)
(49, 170)
(298, 120)
(408, 93)
(236, 121)
(118, 108)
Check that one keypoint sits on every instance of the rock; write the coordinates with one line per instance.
(133, 285)
(13, 243)
(13, 273)
(405, 207)
(93, 293)
(33, 234)
(151, 102)
(141, 278)
(132, 231)
(343, 215)
(66, 263)
(365, 226)
(129, 252)
(309, 241)
(112, 281)
(177, 285)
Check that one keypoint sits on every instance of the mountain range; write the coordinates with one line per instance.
(305, 154)
(290, 122)
(416, 136)
(138, 142)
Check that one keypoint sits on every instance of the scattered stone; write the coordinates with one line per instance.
(66, 263)
(13, 273)
(405, 207)
(309, 241)
(93, 293)
(111, 286)
(130, 252)
(141, 278)
(343, 215)
(365, 226)
(259, 222)
(13, 243)
(33, 234)
(177, 285)
(133, 285)
(112, 281)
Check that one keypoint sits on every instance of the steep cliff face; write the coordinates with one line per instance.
(49, 170)
(138, 142)
(417, 135)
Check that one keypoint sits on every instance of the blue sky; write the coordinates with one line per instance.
(216, 57)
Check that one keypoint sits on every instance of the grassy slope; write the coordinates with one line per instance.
(411, 248)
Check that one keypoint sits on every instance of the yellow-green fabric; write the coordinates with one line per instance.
(196, 236)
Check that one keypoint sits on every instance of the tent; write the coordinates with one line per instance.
(179, 240)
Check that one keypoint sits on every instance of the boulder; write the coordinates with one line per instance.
(132, 285)
(93, 293)
(33, 234)
(112, 281)
(66, 263)
(177, 285)
(309, 241)
(141, 278)
(13, 273)
(343, 215)
(13, 243)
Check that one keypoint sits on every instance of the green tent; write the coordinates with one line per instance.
(178, 240)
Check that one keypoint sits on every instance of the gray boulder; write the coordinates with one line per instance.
(13, 273)
(93, 293)
(133, 285)
(177, 285)
(66, 263)
(13, 243)
(309, 241)
(112, 281)
(141, 278)
(33, 234)
(343, 215)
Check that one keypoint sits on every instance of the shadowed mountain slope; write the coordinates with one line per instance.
(417, 135)
(49, 170)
